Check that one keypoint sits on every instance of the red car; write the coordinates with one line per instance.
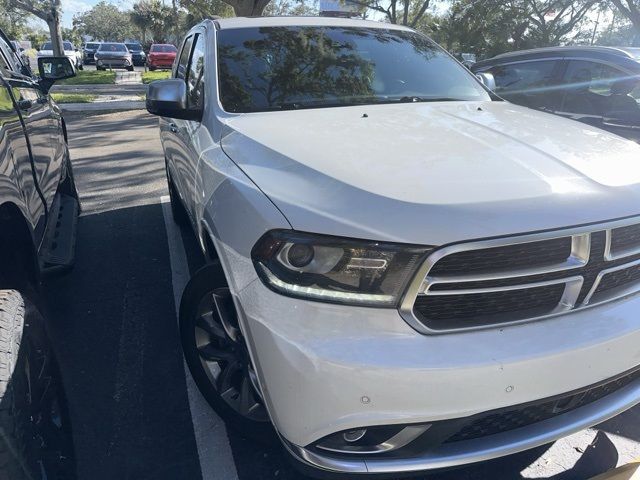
(161, 55)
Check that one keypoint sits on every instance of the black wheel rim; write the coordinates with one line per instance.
(223, 354)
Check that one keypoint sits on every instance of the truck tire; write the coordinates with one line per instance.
(35, 440)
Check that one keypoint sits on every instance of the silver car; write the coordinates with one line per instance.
(405, 271)
(113, 55)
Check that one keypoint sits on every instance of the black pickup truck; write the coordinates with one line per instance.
(38, 213)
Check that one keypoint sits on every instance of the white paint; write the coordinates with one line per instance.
(214, 451)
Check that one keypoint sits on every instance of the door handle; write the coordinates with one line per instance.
(173, 127)
(25, 104)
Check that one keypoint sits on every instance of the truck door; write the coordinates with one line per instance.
(17, 184)
(39, 117)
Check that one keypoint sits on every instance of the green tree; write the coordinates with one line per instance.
(104, 22)
(404, 12)
(154, 19)
(198, 10)
(630, 9)
(291, 7)
(12, 22)
(49, 11)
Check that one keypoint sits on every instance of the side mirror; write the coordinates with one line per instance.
(168, 98)
(52, 69)
(487, 80)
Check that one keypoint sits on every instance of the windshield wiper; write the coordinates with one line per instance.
(414, 99)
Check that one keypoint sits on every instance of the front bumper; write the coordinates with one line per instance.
(327, 368)
(114, 62)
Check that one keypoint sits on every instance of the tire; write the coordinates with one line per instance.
(130, 69)
(36, 437)
(80, 66)
(180, 215)
(99, 69)
(152, 68)
(256, 425)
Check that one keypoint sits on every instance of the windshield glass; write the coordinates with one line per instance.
(273, 68)
(66, 45)
(112, 47)
(134, 47)
(163, 48)
(92, 45)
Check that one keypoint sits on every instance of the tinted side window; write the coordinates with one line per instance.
(195, 76)
(181, 70)
(594, 88)
(523, 77)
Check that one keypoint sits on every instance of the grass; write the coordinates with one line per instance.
(90, 77)
(148, 77)
(73, 97)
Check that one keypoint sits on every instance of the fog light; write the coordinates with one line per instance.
(354, 435)
(372, 440)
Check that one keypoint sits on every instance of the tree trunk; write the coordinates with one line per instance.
(56, 37)
(248, 8)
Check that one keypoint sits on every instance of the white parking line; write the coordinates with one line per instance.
(214, 451)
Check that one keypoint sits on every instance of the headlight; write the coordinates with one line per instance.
(334, 269)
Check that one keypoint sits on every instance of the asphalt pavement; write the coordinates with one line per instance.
(135, 411)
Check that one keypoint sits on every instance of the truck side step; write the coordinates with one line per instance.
(57, 253)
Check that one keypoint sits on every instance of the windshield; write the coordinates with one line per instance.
(134, 47)
(66, 45)
(275, 68)
(112, 47)
(92, 46)
(163, 48)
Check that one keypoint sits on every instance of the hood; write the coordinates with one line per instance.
(435, 173)
(113, 54)
(49, 53)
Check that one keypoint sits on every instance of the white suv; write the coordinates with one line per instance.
(407, 272)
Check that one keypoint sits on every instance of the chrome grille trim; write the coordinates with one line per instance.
(618, 292)
(578, 258)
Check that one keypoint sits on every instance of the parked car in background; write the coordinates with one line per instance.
(402, 265)
(70, 51)
(599, 86)
(137, 53)
(113, 55)
(88, 51)
(161, 55)
(38, 212)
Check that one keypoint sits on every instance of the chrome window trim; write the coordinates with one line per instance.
(580, 251)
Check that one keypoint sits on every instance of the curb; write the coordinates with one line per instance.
(102, 106)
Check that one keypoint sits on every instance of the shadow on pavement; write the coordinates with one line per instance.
(114, 326)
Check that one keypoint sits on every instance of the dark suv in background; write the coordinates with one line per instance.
(137, 53)
(595, 85)
(38, 211)
(88, 52)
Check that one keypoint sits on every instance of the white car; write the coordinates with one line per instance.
(406, 272)
(71, 52)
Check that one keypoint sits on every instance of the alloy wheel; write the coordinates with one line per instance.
(223, 354)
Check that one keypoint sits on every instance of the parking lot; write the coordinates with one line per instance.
(135, 410)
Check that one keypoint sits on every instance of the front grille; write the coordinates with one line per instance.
(523, 255)
(446, 311)
(625, 240)
(618, 279)
(517, 279)
(511, 418)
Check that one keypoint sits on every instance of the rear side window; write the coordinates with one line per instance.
(601, 90)
(195, 77)
(524, 77)
(183, 63)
